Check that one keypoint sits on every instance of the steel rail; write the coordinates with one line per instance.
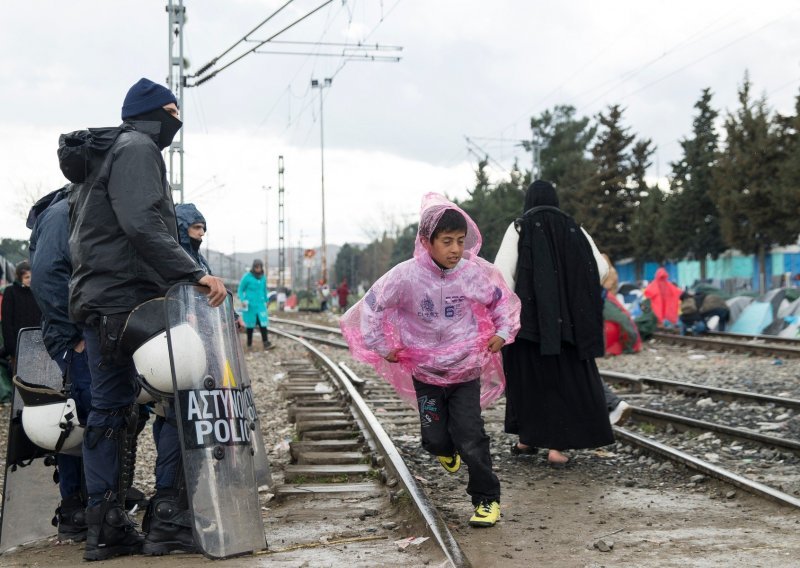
(307, 325)
(351, 374)
(708, 468)
(637, 380)
(729, 431)
(739, 346)
(391, 456)
(754, 337)
(332, 342)
(714, 392)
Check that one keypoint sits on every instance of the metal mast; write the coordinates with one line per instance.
(322, 85)
(176, 81)
(281, 229)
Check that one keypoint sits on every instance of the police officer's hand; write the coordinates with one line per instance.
(217, 291)
(495, 343)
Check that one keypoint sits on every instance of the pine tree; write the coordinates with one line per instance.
(604, 202)
(691, 221)
(565, 147)
(646, 241)
(494, 208)
(789, 167)
(347, 264)
(755, 214)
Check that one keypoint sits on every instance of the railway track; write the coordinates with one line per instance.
(339, 439)
(684, 439)
(727, 343)
(750, 337)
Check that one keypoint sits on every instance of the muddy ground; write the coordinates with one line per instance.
(647, 513)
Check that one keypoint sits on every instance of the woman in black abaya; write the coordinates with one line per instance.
(554, 394)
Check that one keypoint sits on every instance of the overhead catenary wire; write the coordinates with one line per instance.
(213, 62)
(706, 31)
(358, 45)
(707, 55)
(202, 80)
(372, 31)
(349, 56)
(307, 90)
(470, 142)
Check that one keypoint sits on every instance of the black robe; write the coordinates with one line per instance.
(554, 392)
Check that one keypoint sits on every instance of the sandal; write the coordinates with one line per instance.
(527, 451)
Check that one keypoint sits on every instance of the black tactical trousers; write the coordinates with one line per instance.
(451, 421)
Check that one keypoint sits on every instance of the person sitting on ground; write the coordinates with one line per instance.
(690, 315)
(433, 326)
(618, 324)
(711, 305)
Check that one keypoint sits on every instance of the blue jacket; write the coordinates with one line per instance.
(187, 215)
(51, 269)
(254, 291)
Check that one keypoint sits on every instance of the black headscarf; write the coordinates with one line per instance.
(557, 278)
(540, 193)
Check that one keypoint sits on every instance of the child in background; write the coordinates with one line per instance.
(433, 327)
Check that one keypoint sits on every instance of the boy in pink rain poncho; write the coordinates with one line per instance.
(433, 327)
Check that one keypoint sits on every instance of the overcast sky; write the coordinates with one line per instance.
(393, 131)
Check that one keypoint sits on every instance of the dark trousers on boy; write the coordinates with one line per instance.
(451, 421)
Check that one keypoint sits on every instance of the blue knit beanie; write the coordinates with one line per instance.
(145, 96)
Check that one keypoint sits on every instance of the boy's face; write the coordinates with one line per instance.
(447, 248)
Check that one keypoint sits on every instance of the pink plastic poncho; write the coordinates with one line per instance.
(441, 320)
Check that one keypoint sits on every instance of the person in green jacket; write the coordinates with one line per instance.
(253, 295)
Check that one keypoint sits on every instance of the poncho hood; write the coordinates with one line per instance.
(432, 208)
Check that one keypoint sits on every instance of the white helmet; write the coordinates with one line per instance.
(152, 360)
(49, 418)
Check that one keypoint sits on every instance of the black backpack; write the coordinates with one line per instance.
(78, 151)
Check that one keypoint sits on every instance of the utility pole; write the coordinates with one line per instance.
(536, 151)
(176, 81)
(267, 189)
(322, 85)
(281, 230)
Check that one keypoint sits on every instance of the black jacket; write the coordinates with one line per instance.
(558, 284)
(51, 268)
(123, 236)
(19, 310)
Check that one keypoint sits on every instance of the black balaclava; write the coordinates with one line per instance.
(169, 125)
(540, 193)
(195, 243)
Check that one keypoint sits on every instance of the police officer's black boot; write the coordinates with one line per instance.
(168, 524)
(71, 519)
(110, 531)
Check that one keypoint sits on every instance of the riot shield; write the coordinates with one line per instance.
(30, 494)
(216, 421)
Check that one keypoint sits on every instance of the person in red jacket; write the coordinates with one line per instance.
(665, 298)
(341, 293)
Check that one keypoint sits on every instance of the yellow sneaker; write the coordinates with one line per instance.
(487, 513)
(450, 463)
